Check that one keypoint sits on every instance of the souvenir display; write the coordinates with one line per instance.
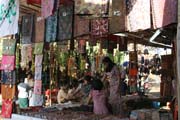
(8, 63)
(9, 46)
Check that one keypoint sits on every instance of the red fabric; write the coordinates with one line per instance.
(33, 1)
(66, 2)
(133, 72)
(6, 108)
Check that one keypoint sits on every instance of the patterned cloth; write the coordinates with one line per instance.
(38, 73)
(8, 63)
(138, 15)
(9, 46)
(8, 77)
(36, 100)
(82, 46)
(9, 16)
(8, 91)
(47, 7)
(99, 27)
(118, 13)
(164, 12)
(65, 22)
(38, 48)
(23, 102)
(93, 7)
(81, 26)
(26, 54)
(6, 108)
(38, 60)
(39, 29)
(51, 28)
(37, 87)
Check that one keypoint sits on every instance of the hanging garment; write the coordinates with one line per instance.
(38, 48)
(9, 46)
(117, 16)
(51, 28)
(9, 16)
(37, 87)
(91, 7)
(8, 63)
(8, 91)
(6, 111)
(27, 34)
(8, 77)
(47, 7)
(81, 26)
(82, 46)
(39, 29)
(26, 54)
(38, 60)
(38, 73)
(36, 100)
(99, 27)
(138, 15)
(33, 1)
(164, 12)
(65, 22)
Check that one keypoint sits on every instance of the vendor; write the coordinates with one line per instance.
(62, 94)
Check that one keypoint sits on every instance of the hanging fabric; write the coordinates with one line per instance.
(82, 46)
(38, 73)
(65, 22)
(27, 34)
(39, 29)
(26, 54)
(51, 28)
(6, 111)
(37, 87)
(138, 15)
(164, 12)
(9, 17)
(8, 62)
(8, 91)
(38, 60)
(34, 2)
(8, 77)
(99, 27)
(47, 8)
(36, 100)
(9, 46)
(38, 48)
(117, 13)
(91, 7)
(81, 26)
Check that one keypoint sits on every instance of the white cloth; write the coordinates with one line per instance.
(22, 92)
(9, 19)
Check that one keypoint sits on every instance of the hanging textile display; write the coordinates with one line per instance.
(39, 29)
(47, 7)
(117, 22)
(27, 34)
(36, 100)
(9, 16)
(8, 77)
(91, 7)
(38, 60)
(26, 54)
(82, 46)
(8, 91)
(38, 73)
(81, 26)
(164, 12)
(33, 1)
(9, 46)
(51, 28)
(38, 48)
(138, 15)
(65, 22)
(99, 27)
(8, 63)
(37, 87)
(6, 111)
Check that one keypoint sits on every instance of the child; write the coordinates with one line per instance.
(98, 97)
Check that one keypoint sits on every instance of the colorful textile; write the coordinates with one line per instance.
(8, 91)
(51, 28)
(81, 26)
(9, 46)
(37, 87)
(23, 102)
(118, 13)
(38, 60)
(138, 15)
(8, 63)
(99, 27)
(33, 1)
(6, 111)
(38, 73)
(93, 7)
(47, 7)
(65, 22)
(82, 46)
(26, 54)
(36, 100)
(9, 16)
(27, 34)
(39, 29)
(8, 77)
(38, 48)
(164, 12)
